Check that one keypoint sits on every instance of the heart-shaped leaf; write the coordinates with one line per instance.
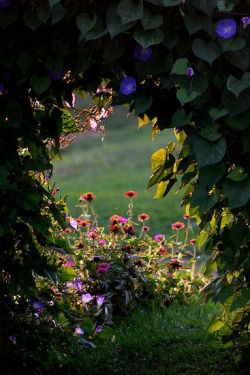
(232, 44)
(241, 58)
(184, 97)
(208, 153)
(40, 84)
(180, 118)
(211, 132)
(180, 66)
(217, 113)
(206, 51)
(236, 86)
(148, 38)
(114, 22)
(151, 21)
(129, 11)
(85, 22)
(237, 174)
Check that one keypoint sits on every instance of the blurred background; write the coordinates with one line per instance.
(119, 163)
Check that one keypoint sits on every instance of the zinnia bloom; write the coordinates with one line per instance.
(88, 197)
(158, 237)
(143, 217)
(226, 28)
(128, 85)
(93, 235)
(103, 242)
(114, 228)
(145, 228)
(114, 219)
(69, 263)
(175, 264)
(142, 54)
(163, 250)
(86, 298)
(130, 194)
(83, 223)
(178, 225)
(128, 229)
(185, 216)
(192, 241)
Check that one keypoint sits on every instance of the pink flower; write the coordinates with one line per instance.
(79, 331)
(143, 217)
(103, 242)
(86, 298)
(123, 219)
(103, 268)
(73, 223)
(69, 263)
(178, 225)
(158, 237)
(92, 123)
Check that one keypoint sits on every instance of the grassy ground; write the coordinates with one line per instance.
(163, 342)
(109, 168)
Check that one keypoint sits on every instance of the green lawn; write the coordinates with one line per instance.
(162, 342)
(109, 168)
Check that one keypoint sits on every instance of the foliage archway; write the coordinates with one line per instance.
(179, 64)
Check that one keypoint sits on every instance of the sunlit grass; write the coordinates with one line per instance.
(109, 168)
(163, 341)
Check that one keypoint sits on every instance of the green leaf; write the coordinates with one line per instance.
(180, 118)
(206, 51)
(211, 174)
(211, 132)
(217, 113)
(171, 3)
(180, 66)
(40, 84)
(232, 44)
(207, 6)
(58, 12)
(237, 193)
(129, 11)
(85, 22)
(223, 7)
(142, 104)
(241, 58)
(215, 325)
(151, 21)
(184, 97)
(114, 22)
(158, 158)
(31, 20)
(149, 37)
(203, 199)
(208, 153)
(236, 86)
(53, 2)
(240, 122)
(237, 174)
(66, 274)
(163, 188)
(241, 300)
(202, 239)
(97, 32)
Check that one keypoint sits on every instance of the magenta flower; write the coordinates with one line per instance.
(79, 331)
(226, 28)
(78, 284)
(69, 263)
(158, 237)
(122, 219)
(142, 54)
(103, 242)
(12, 339)
(100, 300)
(128, 85)
(103, 268)
(86, 298)
(246, 22)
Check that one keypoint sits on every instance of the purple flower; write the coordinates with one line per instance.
(2, 88)
(128, 85)
(55, 76)
(79, 331)
(189, 71)
(12, 339)
(73, 223)
(158, 237)
(226, 28)
(78, 284)
(86, 298)
(103, 268)
(142, 54)
(245, 21)
(100, 300)
(4, 4)
(98, 328)
(37, 305)
(69, 263)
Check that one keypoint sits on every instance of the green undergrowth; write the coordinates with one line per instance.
(162, 341)
(109, 168)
